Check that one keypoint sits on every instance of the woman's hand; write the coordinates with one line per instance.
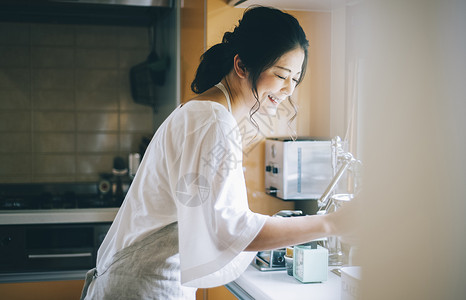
(345, 222)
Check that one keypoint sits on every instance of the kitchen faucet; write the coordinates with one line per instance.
(347, 161)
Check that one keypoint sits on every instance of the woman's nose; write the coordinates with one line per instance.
(288, 87)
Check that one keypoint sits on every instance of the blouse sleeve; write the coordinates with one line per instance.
(214, 220)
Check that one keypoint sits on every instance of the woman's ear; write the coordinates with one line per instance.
(239, 67)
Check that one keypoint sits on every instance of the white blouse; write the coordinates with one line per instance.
(192, 174)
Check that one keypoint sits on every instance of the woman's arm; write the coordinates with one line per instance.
(280, 232)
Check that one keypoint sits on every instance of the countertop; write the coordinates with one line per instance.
(52, 216)
(271, 285)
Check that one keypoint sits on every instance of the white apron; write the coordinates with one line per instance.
(148, 269)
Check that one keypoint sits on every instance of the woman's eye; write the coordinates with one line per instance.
(296, 81)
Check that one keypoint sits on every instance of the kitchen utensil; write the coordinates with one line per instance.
(119, 170)
(336, 255)
(350, 282)
(146, 76)
(133, 162)
(270, 260)
(289, 265)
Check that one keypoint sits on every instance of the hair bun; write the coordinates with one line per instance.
(216, 62)
(227, 37)
(231, 37)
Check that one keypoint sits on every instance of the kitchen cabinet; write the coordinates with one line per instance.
(71, 289)
(217, 293)
(44, 290)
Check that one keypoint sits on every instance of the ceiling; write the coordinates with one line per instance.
(97, 12)
(308, 5)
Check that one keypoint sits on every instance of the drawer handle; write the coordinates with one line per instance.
(63, 255)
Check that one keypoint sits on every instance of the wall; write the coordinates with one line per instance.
(312, 97)
(192, 43)
(413, 145)
(314, 92)
(65, 104)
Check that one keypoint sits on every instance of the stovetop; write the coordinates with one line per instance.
(46, 196)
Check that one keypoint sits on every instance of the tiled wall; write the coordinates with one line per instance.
(65, 104)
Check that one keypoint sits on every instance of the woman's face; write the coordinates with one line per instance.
(279, 81)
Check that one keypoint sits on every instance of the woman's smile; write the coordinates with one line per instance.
(274, 99)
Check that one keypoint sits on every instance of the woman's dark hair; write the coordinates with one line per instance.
(262, 36)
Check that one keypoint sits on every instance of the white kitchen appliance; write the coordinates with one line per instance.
(300, 169)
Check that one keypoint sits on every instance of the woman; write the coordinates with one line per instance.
(185, 222)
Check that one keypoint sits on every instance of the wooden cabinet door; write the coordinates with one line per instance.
(218, 293)
(43, 290)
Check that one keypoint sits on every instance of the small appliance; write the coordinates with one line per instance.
(300, 169)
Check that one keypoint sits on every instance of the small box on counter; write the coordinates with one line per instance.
(310, 263)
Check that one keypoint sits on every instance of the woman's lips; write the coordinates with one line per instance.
(274, 100)
(272, 106)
